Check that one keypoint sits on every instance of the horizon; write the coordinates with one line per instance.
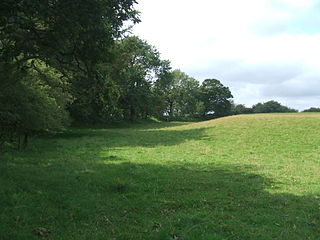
(262, 50)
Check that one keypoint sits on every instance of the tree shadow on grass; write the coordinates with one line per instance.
(90, 142)
(148, 201)
(98, 130)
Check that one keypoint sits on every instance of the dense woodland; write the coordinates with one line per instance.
(73, 61)
(66, 61)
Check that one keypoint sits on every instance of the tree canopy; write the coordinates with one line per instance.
(312, 109)
(216, 97)
(66, 61)
(48, 51)
(271, 107)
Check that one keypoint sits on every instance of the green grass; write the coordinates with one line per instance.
(241, 177)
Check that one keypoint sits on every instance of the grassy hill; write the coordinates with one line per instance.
(240, 177)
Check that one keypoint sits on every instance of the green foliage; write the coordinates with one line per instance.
(312, 109)
(186, 99)
(271, 107)
(73, 56)
(240, 109)
(267, 107)
(162, 90)
(137, 68)
(95, 101)
(66, 34)
(70, 37)
(216, 98)
(183, 96)
(32, 104)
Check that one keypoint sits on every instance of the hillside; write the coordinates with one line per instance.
(239, 177)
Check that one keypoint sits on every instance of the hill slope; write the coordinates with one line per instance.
(240, 177)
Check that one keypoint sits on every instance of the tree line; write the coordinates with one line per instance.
(66, 61)
(266, 107)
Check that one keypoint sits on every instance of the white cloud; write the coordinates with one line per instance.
(221, 39)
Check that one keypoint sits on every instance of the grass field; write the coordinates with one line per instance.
(239, 177)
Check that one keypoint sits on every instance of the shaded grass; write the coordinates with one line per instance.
(242, 177)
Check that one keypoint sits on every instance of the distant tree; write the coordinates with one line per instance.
(181, 95)
(215, 97)
(240, 109)
(188, 101)
(312, 109)
(186, 94)
(137, 68)
(271, 107)
(162, 90)
(173, 92)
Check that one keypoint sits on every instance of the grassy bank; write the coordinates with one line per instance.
(241, 177)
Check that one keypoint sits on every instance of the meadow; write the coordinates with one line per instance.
(240, 177)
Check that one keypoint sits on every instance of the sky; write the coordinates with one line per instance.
(261, 49)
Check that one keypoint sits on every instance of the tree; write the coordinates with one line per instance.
(65, 34)
(35, 104)
(239, 109)
(216, 98)
(66, 41)
(137, 68)
(187, 95)
(271, 107)
(312, 109)
(162, 89)
(180, 95)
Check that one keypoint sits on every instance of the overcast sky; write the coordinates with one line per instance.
(260, 49)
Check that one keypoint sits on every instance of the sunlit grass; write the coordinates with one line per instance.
(240, 177)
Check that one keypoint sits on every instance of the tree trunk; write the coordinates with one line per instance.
(170, 109)
(132, 113)
(25, 140)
